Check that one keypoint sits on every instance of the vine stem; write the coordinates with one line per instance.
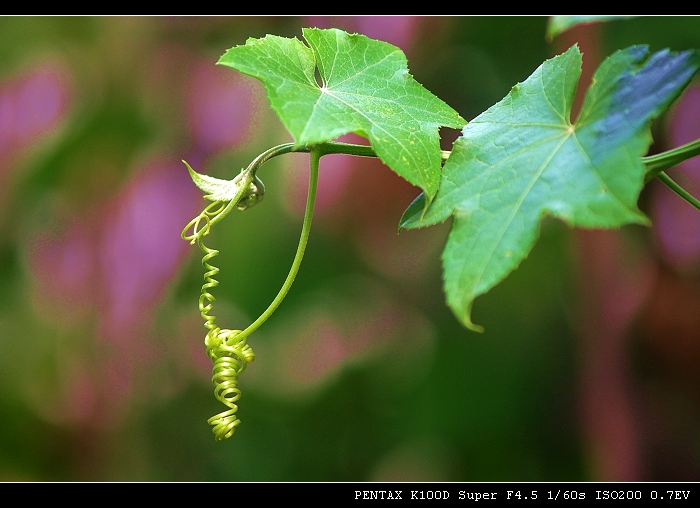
(655, 164)
(326, 148)
(655, 168)
(316, 154)
(660, 162)
(679, 190)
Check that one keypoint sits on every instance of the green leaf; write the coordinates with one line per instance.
(366, 89)
(523, 159)
(558, 24)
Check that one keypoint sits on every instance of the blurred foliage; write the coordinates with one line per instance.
(587, 370)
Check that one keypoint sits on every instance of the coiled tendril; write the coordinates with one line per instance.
(228, 349)
(229, 352)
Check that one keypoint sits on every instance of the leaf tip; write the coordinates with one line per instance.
(414, 213)
(465, 317)
(466, 320)
(473, 327)
(193, 173)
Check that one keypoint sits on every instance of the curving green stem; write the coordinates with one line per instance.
(660, 162)
(325, 148)
(679, 190)
(655, 164)
(316, 154)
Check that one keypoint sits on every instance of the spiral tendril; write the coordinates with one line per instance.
(230, 355)
(227, 349)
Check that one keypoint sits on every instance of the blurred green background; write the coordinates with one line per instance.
(588, 369)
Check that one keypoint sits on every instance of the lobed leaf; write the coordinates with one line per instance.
(365, 88)
(524, 159)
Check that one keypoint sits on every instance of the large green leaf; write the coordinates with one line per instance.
(366, 89)
(524, 159)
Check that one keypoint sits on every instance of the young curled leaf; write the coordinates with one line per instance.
(215, 189)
